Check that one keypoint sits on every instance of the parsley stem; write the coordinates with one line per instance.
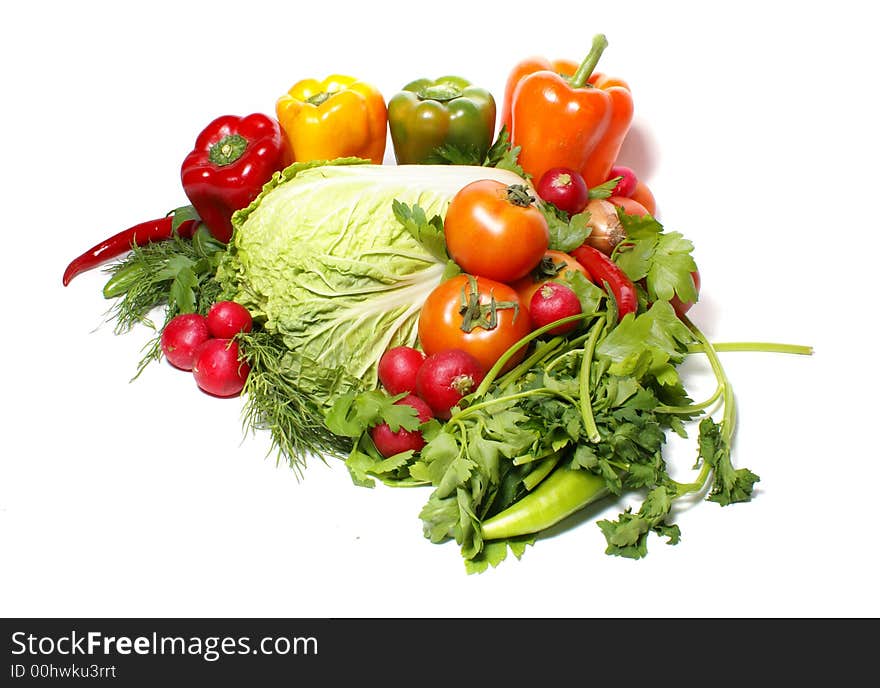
(541, 352)
(510, 397)
(529, 458)
(495, 370)
(682, 489)
(541, 471)
(728, 421)
(662, 408)
(765, 347)
(586, 405)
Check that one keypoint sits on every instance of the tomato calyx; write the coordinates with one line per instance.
(518, 194)
(474, 313)
(547, 269)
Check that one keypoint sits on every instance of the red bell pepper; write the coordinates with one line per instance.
(232, 159)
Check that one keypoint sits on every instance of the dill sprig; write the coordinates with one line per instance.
(276, 399)
(172, 277)
(179, 276)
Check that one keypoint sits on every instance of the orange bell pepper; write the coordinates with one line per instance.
(530, 65)
(577, 121)
(338, 117)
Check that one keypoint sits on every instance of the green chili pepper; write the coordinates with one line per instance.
(123, 279)
(562, 493)
(445, 120)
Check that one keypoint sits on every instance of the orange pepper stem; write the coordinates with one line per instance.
(580, 77)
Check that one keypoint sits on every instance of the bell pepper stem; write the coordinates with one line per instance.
(585, 70)
(227, 150)
(440, 92)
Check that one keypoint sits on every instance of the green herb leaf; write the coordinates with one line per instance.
(182, 292)
(353, 414)
(504, 156)
(449, 154)
(646, 342)
(566, 233)
(429, 233)
(181, 215)
(628, 535)
(604, 189)
(729, 485)
(663, 259)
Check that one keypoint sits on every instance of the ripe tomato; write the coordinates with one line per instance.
(557, 264)
(630, 205)
(443, 324)
(494, 230)
(643, 195)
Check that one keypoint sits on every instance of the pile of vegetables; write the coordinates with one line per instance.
(497, 318)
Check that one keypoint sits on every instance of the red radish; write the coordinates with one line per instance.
(227, 318)
(627, 185)
(217, 369)
(447, 376)
(551, 302)
(565, 188)
(398, 367)
(182, 337)
(389, 442)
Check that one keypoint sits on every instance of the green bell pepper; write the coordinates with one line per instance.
(441, 120)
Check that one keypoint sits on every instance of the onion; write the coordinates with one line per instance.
(606, 231)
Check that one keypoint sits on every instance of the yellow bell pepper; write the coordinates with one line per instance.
(334, 118)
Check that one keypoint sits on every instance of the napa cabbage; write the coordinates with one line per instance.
(320, 259)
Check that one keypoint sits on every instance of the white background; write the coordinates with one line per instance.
(756, 128)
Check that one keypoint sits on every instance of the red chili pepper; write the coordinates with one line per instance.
(232, 159)
(607, 272)
(139, 235)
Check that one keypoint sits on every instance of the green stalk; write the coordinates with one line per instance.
(690, 408)
(541, 471)
(470, 410)
(728, 418)
(541, 352)
(584, 384)
(763, 347)
(585, 70)
(495, 370)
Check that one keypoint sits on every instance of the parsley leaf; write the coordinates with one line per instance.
(566, 232)
(729, 484)
(503, 155)
(353, 414)
(428, 232)
(628, 535)
(662, 259)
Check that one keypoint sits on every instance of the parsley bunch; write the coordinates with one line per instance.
(584, 416)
